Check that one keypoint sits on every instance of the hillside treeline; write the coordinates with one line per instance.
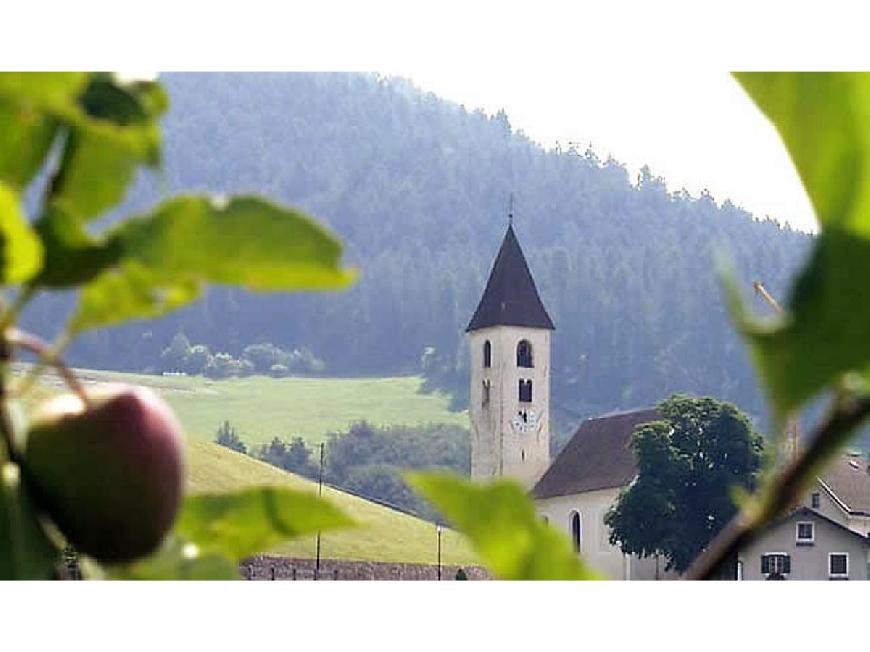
(417, 188)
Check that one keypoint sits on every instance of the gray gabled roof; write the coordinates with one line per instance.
(598, 456)
(510, 297)
(848, 478)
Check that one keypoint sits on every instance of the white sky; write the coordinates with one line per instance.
(644, 81)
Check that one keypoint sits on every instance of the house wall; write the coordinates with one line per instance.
(498, 447)
(595, 547)
(807, 562)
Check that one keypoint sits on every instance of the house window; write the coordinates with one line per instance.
(805, 535)
(775, 565)
(487, 354)
(815, 500)
(576, 531)
(838, 565)
(525, 391)
(524, 354)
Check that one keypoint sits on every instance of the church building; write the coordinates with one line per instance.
(509, 404)
(509, 338)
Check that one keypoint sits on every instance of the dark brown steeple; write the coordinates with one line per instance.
(510, 297)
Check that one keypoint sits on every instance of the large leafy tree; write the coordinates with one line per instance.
(689, 464)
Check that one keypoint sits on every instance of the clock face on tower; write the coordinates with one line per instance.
(525, 421)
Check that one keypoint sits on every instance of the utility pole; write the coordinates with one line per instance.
(438, 531)
(319, 494)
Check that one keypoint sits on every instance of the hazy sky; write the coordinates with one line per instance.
(697, 130)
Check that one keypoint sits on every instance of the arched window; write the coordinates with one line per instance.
(486, 388)
(524, 354)
(525, 391)
(576, 531)
(487, 354)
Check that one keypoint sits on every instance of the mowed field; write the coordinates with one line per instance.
(261, 407)
(382, 534)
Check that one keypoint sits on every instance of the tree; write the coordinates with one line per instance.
(295, 457)
(228, 436)
(689, 464)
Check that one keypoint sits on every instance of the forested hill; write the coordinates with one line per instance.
(418, 188)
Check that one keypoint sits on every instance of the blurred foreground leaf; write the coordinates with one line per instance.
(243, 523)
(500, 521)
(824, 121)
(25, 551)
(167, 256)
(177, 560)
(117, 131)
(20, 249)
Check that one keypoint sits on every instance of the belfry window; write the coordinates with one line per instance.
(525, 391)
(524, 354)
(487, 354)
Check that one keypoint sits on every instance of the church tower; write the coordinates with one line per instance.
(509, 341)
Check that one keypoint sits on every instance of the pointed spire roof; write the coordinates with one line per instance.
(510, 297)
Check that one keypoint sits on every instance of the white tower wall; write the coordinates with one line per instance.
(503, 443)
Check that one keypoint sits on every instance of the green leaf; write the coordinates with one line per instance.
(20, 250)
(55, 92)
(26, 136)
(130, 291)
(824, 121)
(240, 524)
(245, 241)
(169, 255)
(25, 551)
(500, 521)
(177, 560)
(72, 257)
(115, 131)
(97, 167)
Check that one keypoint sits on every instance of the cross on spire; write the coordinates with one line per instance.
(511, 210)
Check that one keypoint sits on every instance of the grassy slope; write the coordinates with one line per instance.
(262, 407)
(383, 534)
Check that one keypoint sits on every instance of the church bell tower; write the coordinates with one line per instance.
(509, 345)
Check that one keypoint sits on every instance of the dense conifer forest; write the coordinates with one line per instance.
(417, 187)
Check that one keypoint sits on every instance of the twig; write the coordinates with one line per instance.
(48, 355)
(844, 415)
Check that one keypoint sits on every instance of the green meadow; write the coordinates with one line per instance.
(381, 534)
(261, 407)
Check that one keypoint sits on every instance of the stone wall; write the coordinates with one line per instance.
(265, 567)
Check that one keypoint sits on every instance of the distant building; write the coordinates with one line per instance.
(584, 482)
(509, 404)
(827, 538)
